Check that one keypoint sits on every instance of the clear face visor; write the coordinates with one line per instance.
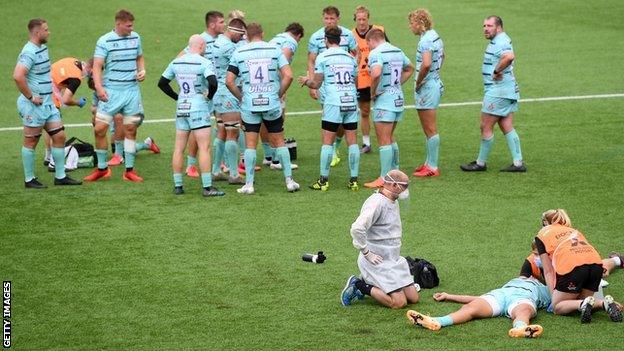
(403, 194)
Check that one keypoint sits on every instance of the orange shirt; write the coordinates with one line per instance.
(535, 270)
(61, 70)
(567, 248)
(364, 78)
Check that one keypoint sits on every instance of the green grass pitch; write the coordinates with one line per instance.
(121, 266)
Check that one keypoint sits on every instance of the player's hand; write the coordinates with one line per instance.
(140, 76)
(440, 296)
(37, 100)
(497, 76)
(314, 94)
(373, 258)
(302, 80)
(82, 101)
(101, 94)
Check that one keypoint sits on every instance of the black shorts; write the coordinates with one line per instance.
(274, 126)
(587, 276)
(333, 127)
(364, 94)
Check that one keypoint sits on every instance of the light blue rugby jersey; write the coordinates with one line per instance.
(285, 41)
(36, 59)
(339, 70)
(389, 91)
(209, 39)
(223, 50)
(258, 65)
(190, 72)
(537, 291)
(316, 45)
(120, 59)
(507, 87)
(430, 41)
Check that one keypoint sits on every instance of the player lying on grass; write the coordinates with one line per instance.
(519, 299)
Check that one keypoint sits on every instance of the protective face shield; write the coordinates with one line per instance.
(403, 195)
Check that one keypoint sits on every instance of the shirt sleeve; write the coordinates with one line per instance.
(101, 51)
(281, 58)
(168, 73)
(352, 43)
(406, 61)
(374, 59)
(139, 46)
(368, 215)
(312, 47)
(425, 45)
(26, 59)
(209, 69)
(291, 46)
(319, 65)
(541, 248)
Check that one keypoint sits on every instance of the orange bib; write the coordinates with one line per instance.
(60, 71)
(364, 78)
(567, 248)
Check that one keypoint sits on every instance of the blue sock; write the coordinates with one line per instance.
(28, 161)
(385, 159)
(283, 156)
(250, 162)
(395, 155)
(337, 142)
(513, 142)
(519, 324)
(141, 146)
(190, 161)
(354, 160)
(58, 154)
(484, 150)
(119, 148)
(241, 140)
(231, 157)
(269, 152)
(433, 148)
(177, 179)
(101, 158)
(218, 147)
(327, 152)
(444, 321)
(206, 179)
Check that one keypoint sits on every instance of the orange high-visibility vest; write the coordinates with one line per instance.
(567, 248)
(364, 78)
(61, 70)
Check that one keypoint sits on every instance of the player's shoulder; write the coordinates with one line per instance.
(134, 35)
(319, 34)
(501, 39)
(345, 31)
(29, 48)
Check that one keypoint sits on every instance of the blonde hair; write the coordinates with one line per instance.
(422, 17)
(361, 9)
(236, 14)
(558, 216)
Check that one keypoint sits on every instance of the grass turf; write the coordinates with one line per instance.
(129, 266)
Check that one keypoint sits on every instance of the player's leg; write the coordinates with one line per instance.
(55, 129)
(117, 133)
(394, 144)
(48, 151)
(218, 148)
(191, 158)
(513, 142)
(252, 131)
(202, 136)
(31, 139)
(177, 159)
(231, 122)
(487, 140)
(521, 311)
(131, 124)
(364, 105)
(615, 260)
(349, 124)
(432, 144)
(328, 135)
(269, 152)
(103, 119)
(384, 125)
(275, 126)
(337, 142)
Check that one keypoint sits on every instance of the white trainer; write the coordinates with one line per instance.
(291, 185)
(247, 189)
(266, 162)
(278, 166)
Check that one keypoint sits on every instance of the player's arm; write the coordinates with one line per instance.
(213, 84)
(424, 68)
(314, 83)
(19, 76)
(311, 59)
(230, 82)
(98, 65)
(286, 79)
(375, 73)
(464, 299)
(164, 85)
(504, 62)
(140, 68)
(549, 270)
(71, 86)
(288, 54)
(407, 72)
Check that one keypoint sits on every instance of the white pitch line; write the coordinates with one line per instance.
(449, 104)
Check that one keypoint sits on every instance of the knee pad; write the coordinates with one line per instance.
(251, 128)
(134, 119)
(33, 136)
(330, 126)
(55, 131)
(130, 146)
(104, 118)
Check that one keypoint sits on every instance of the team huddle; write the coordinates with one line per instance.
(231, 94)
